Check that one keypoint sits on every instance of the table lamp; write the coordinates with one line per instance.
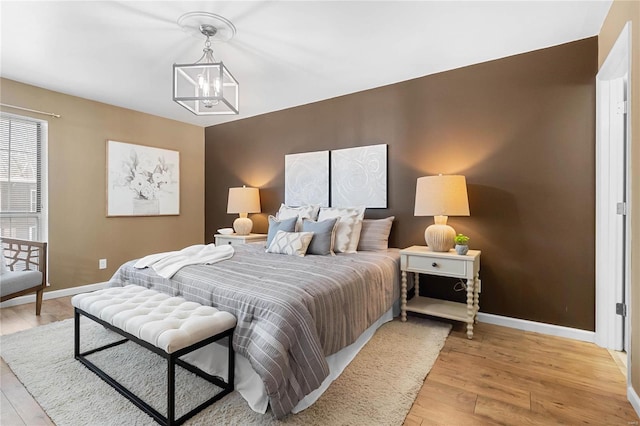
(441, 196)
(243, 201)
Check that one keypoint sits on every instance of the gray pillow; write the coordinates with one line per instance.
(323, 235)
(375, 234)
(275, 225)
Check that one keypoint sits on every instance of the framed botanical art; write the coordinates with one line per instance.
(306, 179)
(142, 180)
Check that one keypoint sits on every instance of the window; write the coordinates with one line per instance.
(22, 177)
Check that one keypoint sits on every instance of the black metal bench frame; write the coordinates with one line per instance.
(173, 359)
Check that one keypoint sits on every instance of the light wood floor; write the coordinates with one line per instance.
(511, 377)
(17, 407)
(502, 376)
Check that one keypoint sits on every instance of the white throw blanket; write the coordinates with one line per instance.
(168, 263)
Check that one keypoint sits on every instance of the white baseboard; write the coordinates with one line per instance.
(633, 398)
(31, 298)
(538, 327)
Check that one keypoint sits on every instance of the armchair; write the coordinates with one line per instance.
(24, 269)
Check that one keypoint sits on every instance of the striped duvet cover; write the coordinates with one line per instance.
(292, 311)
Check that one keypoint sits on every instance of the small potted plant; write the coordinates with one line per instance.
(462, 244)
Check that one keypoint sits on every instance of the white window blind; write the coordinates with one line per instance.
(21, 177)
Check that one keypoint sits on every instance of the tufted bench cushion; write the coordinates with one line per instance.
(168, 323)
(169, 326)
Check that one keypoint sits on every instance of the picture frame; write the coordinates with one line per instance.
(359, 176)
(142, 180)
(307, 179)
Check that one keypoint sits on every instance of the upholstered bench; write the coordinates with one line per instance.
(168, 326)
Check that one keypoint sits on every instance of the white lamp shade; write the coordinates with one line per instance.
(243, 200)
(442, 195)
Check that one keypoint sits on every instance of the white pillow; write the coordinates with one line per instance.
(302, 212)
(291, 243)
(348, 228)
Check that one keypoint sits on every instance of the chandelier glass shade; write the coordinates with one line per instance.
(206, 87)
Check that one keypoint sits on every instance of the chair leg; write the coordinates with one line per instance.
(39, 294)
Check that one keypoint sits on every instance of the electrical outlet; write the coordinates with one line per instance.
(102, 264)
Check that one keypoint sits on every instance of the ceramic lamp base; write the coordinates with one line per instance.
(440, 237)
(242, 226)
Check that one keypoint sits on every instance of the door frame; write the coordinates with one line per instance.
(617, 65)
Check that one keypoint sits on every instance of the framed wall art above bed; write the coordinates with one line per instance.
(142, 180)
(359, 177)
(306, 179)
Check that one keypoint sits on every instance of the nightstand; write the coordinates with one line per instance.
(235, 239)
(422, 260)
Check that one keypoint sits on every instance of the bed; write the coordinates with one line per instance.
(295, 314)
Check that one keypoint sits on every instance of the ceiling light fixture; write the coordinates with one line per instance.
(206, 87)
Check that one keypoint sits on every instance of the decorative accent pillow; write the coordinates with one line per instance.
(375, 234)
(324, 233)
(302, 212)
(291, 243)
(348, 227)
(276, 225)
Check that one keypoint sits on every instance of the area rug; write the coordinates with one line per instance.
(378, 387)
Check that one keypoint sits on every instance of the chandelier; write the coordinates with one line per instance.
(206, 87)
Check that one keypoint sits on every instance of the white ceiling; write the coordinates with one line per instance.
(284, 53)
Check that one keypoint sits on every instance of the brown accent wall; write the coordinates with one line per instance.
(620, 13)
(79, 231)
(521, 129)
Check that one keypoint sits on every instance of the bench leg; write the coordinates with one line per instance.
(171, 390)
(76, 333)
(231, 365)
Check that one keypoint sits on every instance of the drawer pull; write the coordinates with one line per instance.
(434, 264)
(229, 242)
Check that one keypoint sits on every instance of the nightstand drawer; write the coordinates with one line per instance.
(437, 266)
(223, 241)
(235, 239)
